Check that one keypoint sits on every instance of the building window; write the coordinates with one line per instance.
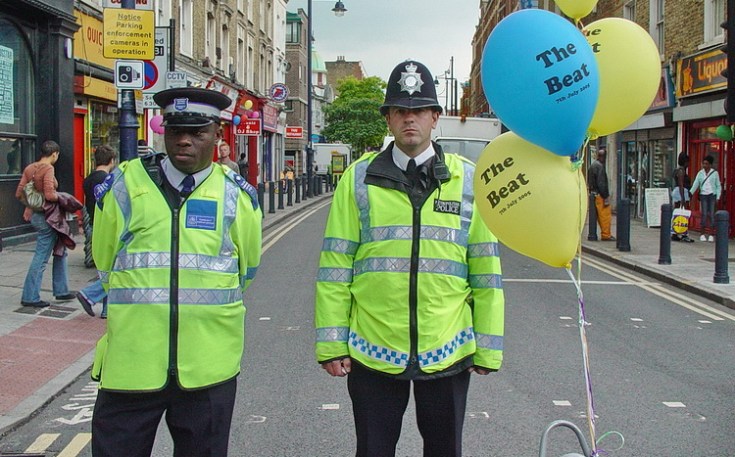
(163, 11)
(210, 41)
(293, 32)
(289, 106)
(657, 24)
(629, 11)
(225, 45)
(714, 15)
(240, 53)
(17, 108)
(186, 19)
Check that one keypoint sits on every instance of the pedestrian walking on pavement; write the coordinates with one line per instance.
(223, 157)
(409, 287)
(708, 183)
(598, 187)
(41, 173)
(177, 240)
(104, 159)
(680, 194)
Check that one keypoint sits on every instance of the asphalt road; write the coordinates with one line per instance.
(662, 365)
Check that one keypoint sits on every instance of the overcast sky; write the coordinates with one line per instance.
(382, 33)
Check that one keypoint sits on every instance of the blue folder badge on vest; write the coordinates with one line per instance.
(201, 214)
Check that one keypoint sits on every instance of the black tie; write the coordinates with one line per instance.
(411, 172)
(187, 186)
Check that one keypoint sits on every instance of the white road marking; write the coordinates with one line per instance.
(664, 292)
(273, 238)
(704, 322)
(264, 319)
(479, 415)
(562, 403)
(329, 407)
(567, 281)
(42, 443)
(565, 318)
(674, 404)
(636, 319)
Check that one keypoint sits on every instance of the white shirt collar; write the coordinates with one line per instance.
(175, 176)
(401, 159)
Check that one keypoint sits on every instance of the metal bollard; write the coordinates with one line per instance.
(304, 187)
(261, 196)
(664, 245)
(592, 229)
(271, 197)
(281, 190)
(298, 190)
(722, 227)
(623, 225)
(289, 189)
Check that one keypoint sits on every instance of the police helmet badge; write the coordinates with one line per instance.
(180, 104)
(411, 80)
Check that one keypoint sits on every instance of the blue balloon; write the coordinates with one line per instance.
(236, 119)
(540, 78)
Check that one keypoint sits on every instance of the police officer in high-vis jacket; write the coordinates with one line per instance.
(409, 288)
(177, 240)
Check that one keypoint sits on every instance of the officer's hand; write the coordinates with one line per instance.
(480, 370)
(338, 368)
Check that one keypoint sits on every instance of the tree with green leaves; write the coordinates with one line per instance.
(354, 117)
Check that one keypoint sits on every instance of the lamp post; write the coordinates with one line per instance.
(450, 89)
(339, 11)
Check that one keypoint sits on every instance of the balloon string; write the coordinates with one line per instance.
(585, 354)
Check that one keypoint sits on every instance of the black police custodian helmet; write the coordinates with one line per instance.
(191, 106)
(410, 85)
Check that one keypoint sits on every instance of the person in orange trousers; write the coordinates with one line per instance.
(597, 183)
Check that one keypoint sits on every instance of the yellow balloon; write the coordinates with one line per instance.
(576, 9)
(248, 104)
(629, 66)
(531, 199)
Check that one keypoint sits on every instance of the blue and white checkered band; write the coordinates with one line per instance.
(247, 187)
(101, 189)
(410, 80)
(180, 104)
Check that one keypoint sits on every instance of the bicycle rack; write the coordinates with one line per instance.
(561, 423)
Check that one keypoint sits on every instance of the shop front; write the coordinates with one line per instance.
(701, 91)
(36, 77)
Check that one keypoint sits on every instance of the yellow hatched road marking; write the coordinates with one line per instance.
(76, 445)
(42, 443)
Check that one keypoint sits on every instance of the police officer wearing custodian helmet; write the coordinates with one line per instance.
(177, 240)
(409, 287)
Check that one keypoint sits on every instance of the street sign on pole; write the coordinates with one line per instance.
(129, 74)
(295, 132)
(250, 127)
(128, 34)
(161, 64)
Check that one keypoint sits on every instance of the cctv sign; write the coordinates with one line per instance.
(129, 74)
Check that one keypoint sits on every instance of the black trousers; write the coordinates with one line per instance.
(125, 424)
(379, 402)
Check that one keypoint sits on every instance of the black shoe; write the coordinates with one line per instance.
(675, 238)
(686, 239)
(86, 303)
(36, 304)
(612, 238)
(66, 297)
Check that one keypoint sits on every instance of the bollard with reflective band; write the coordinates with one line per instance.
(623, 225)
(722, 227)
(281, 191)
(592, 230)
(664, 256)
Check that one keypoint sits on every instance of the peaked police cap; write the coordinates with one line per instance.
(410, 85)
(191, 106)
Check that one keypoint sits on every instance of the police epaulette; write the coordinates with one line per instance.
(101, 189)
(244, 185)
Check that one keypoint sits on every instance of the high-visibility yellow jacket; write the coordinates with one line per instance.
(174, 276)
(410, 288)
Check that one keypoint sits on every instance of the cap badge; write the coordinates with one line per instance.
(410, 80)
(180, 104)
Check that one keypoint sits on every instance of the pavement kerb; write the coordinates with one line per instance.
(659, 276)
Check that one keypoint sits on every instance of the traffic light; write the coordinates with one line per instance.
(729, 49)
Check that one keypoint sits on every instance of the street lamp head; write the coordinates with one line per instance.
(339, 9)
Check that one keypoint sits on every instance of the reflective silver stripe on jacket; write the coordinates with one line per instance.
(378, 352)
(468, 196)
(340, 246)
(334, 275)
(438, 355)
(405, 232)
(486, 341)
(161, 296)
(232, 192)
(403, 265)
(332, 334)
(483, 250)
(490, 281)
(137, 260)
